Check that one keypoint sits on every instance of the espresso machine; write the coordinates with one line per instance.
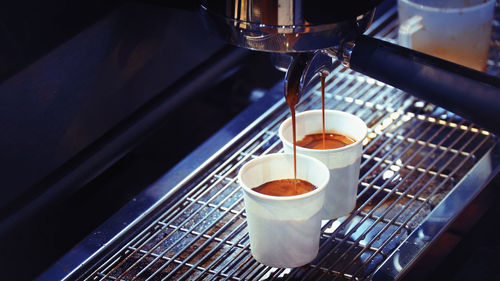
(305, 36)
(426, 173)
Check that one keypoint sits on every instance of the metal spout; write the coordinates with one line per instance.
(306, 69)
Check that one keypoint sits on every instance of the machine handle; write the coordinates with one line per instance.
(469, 93)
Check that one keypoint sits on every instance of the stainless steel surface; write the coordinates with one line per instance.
(421, 165)
(288, 26)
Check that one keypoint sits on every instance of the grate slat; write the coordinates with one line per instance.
(387, 225)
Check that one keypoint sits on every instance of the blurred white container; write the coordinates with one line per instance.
(284, 230)
(343, 162)
(454, 30)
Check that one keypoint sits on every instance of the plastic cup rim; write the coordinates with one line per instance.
(283, 198)
(314, 111)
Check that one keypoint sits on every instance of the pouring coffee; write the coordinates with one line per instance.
(333, 30)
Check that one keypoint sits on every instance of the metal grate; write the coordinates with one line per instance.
(414, 155)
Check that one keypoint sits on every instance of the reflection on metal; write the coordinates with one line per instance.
(287, 26)
(418, 172)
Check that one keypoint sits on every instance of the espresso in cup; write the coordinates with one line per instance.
(325, 141)
(285, 187)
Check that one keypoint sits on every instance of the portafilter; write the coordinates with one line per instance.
(316, 32)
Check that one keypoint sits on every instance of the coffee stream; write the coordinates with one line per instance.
(291, 104)
(324, 140)
(322, 77)
(292, 100)
(292, 92)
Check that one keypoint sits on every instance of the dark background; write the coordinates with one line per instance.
(94, 69)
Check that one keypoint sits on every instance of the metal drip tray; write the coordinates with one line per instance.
(421, 165)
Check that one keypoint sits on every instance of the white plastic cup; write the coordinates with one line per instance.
(343, 162)
(454, 30)
(284, 230)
